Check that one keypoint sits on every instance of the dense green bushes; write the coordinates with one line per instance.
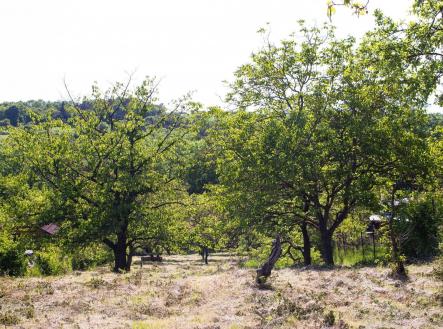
(51, 261)
(12, 262)
(91, 256)
(418, 226)
(54, 261)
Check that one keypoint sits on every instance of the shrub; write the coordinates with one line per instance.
(50, 261)
(12, 262)
(420, 223)
(91, 256)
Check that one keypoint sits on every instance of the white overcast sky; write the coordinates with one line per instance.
(192, 45)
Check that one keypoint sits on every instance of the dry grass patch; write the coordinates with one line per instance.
(183, 293)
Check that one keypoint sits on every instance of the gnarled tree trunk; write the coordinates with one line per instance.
(265, 271)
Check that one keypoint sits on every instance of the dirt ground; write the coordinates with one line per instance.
(183, 293)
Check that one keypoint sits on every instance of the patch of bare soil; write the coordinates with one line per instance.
(183, 293)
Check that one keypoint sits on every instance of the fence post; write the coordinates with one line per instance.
(362, 245)
(373, 245)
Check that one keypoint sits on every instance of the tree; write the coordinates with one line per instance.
(329, 118)
(112, 165)
(12, 113)
(23, 207)
(410, 53)
(207, 224)
(201, 169)
(252, 192)
(419, 222)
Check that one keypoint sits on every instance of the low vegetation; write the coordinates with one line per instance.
(182, 292)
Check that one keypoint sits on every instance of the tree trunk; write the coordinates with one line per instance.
(396, 259)
(205, 254)
(129, 259)
(265, 271)
(120, 263)
(306, 244)
(120, 256)
(326, 250)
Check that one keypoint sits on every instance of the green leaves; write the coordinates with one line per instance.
(111, 167)
(320, 122)
(359, 8)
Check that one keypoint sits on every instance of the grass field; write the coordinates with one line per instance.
(353, 256)
(183, 293)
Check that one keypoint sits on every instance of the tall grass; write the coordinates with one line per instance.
(356, 256)
(350, 256)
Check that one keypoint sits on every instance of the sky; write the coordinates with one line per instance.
(191, 46)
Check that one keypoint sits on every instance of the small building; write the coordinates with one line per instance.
(50, 229)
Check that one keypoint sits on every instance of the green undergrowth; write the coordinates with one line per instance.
(349, 258)
(356, 256)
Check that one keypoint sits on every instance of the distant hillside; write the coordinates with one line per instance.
(20, 113)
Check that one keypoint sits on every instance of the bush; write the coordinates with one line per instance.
(50, 261)
(420, 223)
(91, 256)
(12, 262)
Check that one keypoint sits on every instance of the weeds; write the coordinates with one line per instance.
(438, 269)
(156, 324)
(136, 278)
(329, 319)
(9, 318)
(29, 312)
(44, 288)
(96, 283)
(176, 295)
(151, 309)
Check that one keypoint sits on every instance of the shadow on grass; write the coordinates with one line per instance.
(197, 261)
(265, 286)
